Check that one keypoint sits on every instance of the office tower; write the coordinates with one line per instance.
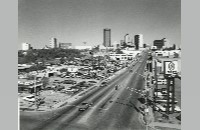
(53, 43)
(139, 41)
(127, 39)
(159, 43)
(107, 37)
(26, 46)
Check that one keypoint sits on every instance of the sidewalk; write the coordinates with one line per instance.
(166, 125)
(160, 125)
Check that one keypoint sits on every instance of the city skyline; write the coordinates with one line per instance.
(83, 21)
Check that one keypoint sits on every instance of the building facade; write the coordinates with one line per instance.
(53, 43)
(65, 45)
(127, 39)
(107, 37)
(159, 43)
(83, 47)
(139, 41)
(26, 46)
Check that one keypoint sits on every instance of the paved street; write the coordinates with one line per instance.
(112, 109)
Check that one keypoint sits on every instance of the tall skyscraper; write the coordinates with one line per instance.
(127, 39)
(139, 41)
(107, 37)
(26, 46)
(53, 43)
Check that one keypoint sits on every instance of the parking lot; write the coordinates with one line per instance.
(64, 85)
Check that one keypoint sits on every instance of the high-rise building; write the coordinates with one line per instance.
(159, 43)
(65, 45)
(53, 43)
(139, 41)
(127, 39)
(144, 45)
(107, 37)
(26, 46)
(121, 42)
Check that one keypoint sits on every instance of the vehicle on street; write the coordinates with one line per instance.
(85, 106)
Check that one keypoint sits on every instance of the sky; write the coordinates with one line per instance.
(78, 21)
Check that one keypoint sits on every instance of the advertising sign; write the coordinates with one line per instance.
(170, 67)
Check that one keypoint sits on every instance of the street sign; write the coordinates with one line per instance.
(170, 67)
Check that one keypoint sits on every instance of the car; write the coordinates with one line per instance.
(58, 88)
(69, 82)
(67, 76)
(103, 85)
(92, 81)
(30, 98)
(78, 76)
(85, 106)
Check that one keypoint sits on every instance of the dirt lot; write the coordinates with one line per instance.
(50, 97)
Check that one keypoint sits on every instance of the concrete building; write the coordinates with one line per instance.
(53, 43)
(121, 42)
(124, 57)
(160, 43)
(127, 39)
(26, 46)
(83, 47)
(139, 41)
(170, 53)
(107, 37)
(116, 45)
(65, 45)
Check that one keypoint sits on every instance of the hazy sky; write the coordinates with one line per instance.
(79, 21)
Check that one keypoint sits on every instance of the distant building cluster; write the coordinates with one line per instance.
(26, 46)
(127, 41)
(135, 43)
(162, 44)
(65, 45)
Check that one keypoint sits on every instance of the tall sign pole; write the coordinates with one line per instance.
(170, 68)
(170, 94)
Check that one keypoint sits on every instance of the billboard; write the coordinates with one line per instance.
(170, 67)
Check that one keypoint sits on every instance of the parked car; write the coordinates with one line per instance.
(69, 82)
(30, 98)
(103, 85)
(58, 88)
(91, 81)
(67, 76)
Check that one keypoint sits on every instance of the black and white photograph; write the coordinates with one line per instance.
(99, 64)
